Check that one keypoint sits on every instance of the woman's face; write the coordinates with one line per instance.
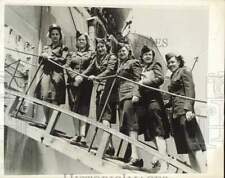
(173, 64)
(148, 57)
(55, 36)
(81, 41)
(101, 49)
(123, 53)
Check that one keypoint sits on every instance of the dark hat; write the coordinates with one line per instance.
(169, 55)
(100, 40)
(145, 49)
(78, 34)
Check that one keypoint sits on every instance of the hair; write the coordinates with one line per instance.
(55, 27)
(102, 41)
(127, 46)
(179, 58)
(78, 34)
(142, 53)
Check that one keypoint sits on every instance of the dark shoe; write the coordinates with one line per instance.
(83, 140)
(110, 151)
(75, 140)
(38, 125)
(136, 163)
(158, 167)
(156, 164)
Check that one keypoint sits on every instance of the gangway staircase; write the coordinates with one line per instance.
(94, 159)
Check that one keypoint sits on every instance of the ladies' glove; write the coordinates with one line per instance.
(189, 115)
(78, 80)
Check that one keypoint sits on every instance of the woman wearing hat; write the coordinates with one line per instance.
(80, 88)
(130, 68)
(51, 86)
(151, 111)
(187, 134)
(104, 64)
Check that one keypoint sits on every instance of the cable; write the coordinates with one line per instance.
(85, 76)
(71, 14)
(156, 89)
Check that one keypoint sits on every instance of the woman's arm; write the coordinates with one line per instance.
(154, 77)
(90, 69)
(111, 67)
(189, 89)
(136, 67)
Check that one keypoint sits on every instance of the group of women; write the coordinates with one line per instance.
(141, 110)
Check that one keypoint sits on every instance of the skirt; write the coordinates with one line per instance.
(153, 120)
(102, 94)
(80, 97)
(187, 135)
(128, 117)
(51, 88)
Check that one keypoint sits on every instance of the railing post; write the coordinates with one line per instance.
(103, 145)
(51, 124)
(29, 86)
(14, 74)
(102, 112)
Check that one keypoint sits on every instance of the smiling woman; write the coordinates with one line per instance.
(174, 62)
(79, 88)
(130, 68)
(51, 86)
(187, 134)
(153, 120)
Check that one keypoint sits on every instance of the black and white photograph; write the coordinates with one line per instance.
(117, 90)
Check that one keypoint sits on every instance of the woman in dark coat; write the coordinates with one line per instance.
(51, 86)
(152, 115)
(80, 88)
(128, 97)
(187, 134)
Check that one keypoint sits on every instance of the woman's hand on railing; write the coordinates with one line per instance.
(135, 99)
(78, 80)
(189, 115)
(167, 103)
(44, 55)
(92, 77)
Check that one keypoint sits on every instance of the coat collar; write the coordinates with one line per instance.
(57, 46)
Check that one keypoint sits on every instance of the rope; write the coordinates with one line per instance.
(156, 89)
(71, 14)
(85, 76)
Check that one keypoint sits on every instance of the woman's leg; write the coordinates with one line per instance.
(83, 132)
(134, 153)
(162, 148)
(45, 94)
(110, 150)
(48, 111)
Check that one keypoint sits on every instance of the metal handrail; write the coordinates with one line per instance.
(112, 76)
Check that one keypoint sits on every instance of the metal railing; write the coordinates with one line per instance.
(97, 124)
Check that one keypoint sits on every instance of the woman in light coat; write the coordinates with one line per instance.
(51, 86)
(79, 88)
